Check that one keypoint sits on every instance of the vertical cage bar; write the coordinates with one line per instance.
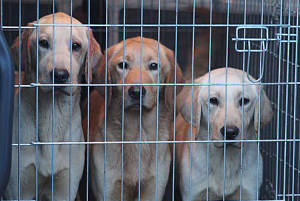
(226, 81)
(88, 103)
(192, 94)
(208, 115)
(71, 93)
(19, 101)
(175, 80)
(261, 68)
(36, 102)
(105, 99)
(140, 112)
(286, 106)
(277, 192)
(157, 106)
(53, 105)
(243, 104)
(123, 104)
(295, 105)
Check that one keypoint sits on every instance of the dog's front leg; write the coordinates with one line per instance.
(154, 188)
(63, 187)
(149, 191)
(60, 187)
(246, 195)
(27, 183)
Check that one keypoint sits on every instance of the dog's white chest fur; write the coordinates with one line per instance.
(139, 160)
(53, 125)
(238, 173)
(134, 131)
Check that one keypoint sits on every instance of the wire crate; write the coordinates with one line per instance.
(260, 37)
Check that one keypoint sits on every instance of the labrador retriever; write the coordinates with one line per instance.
(219, 113)
(145, 178)
(54, 116)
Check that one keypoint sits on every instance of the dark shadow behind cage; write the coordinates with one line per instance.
(6, 111)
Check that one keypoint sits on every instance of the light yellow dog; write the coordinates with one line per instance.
(223, 113)
(66, 125)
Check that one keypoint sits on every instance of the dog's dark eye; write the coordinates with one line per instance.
(76, 47)
(120, 65)
(214, 101)
(44, 44)
(246, 101)
(153, 66)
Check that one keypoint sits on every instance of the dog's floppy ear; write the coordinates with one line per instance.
(100, 75)
(169, 90)
(95, 56)
(266, 112)
(186, 108)
(25, 51)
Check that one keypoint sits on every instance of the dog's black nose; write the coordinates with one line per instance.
(231, 132)
(135, 92)
(60, 76)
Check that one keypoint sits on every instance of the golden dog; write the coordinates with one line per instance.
(134, 69)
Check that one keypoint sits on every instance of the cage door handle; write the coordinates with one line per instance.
(261, 44)
(262, 66)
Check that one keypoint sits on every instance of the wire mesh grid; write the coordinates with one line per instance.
(259, 37)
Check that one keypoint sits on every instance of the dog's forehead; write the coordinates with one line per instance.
(234, 79)
(134, 49)
(59, 18)
(61, 31)
(62, 35)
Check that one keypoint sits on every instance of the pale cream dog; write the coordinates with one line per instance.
(214, 106)
(25, 167)
(151, 184)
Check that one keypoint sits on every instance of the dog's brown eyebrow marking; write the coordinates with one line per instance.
(76, 39)
(129, 57)
(212, 94)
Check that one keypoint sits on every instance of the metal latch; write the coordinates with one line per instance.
(260, 43)
(252, 45)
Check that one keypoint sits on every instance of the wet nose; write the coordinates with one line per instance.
(60, 76)
(231, 132)
(135, 92)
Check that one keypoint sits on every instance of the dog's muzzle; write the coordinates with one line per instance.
(135, 93)
(60, 77)
(231, 133)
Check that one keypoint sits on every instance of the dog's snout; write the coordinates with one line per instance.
(60, 76)
(231, 132)
(135, 92)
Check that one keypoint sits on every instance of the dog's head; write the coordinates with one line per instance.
(220, 105)
(59, 59)
(139, 60)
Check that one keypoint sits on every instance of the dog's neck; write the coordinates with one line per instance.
(50, 109)
(136, 124)
(234, 158)
(45, 99)
(233, 154)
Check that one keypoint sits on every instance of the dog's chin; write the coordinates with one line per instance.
(219, 145)
(137, 107)
(62, 90)
(57, 90)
